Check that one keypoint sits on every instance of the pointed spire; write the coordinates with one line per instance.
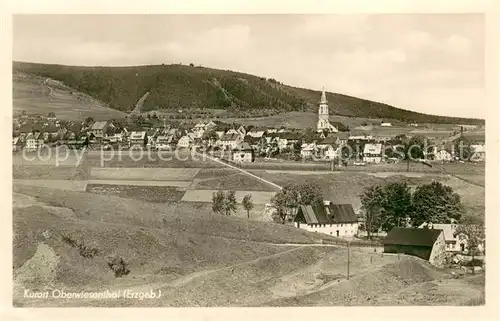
(323, 96)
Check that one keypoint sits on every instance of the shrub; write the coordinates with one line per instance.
(83, 249)
(118, 266)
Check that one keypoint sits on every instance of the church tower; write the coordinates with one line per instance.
(323, 122)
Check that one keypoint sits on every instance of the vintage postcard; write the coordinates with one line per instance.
(177, 160)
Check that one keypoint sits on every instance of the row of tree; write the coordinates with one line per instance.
(224, 203)
(396, 205)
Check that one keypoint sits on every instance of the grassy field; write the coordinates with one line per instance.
(49, 172)
(147, 174)
(345, 187)
(155, 194)
(231, 181)
(32, 95)
(127, 160)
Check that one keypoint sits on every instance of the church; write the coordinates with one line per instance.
(323, 121)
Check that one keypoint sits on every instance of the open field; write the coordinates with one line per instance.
(33, 95)
(232, 181)
(153, 160)
(49, 172)
(147, 174)
(156, 194)
(345, 187)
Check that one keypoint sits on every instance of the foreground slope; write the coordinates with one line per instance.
(202, 260)
(184, 87)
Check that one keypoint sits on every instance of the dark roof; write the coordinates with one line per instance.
(328, 214)
(289, 135)
(251, 140)
(474, 136)
(330, 140)
(342, 213)
(412, 236)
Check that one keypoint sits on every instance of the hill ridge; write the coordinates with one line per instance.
(177, 86)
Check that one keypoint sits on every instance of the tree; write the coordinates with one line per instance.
(371, 203)
(436, 203)
(397, 205)
(287, 201)
(471, 230)
(218, 202)
(230, 203)
(297, 148)
(51, 115)
(248, 204)
(387, 206)
(89, 120)
(224, 203)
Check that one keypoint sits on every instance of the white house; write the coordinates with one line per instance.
(454, 242)
(185, 141)
(478, 153)
(34, 141)
(307, 150)
(256, 132)
(333, 219)
(372, 153)
(230, 141)
(442, 155)
(99, 128)
(163, 142)
(331, 153)
(243, 153)
(385, 124)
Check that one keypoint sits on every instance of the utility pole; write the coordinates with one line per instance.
(348, 257)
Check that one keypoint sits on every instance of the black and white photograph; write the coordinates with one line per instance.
(248, 160)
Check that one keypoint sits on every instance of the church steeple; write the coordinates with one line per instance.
(323, 97)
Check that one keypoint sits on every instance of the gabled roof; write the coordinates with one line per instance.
(252, 140)
(412, 236)
(99, 125)
(229, 137)
(328, 214)
(243, 147)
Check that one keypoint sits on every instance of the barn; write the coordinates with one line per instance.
(427, 244)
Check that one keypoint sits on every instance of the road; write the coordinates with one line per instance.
(240, 170)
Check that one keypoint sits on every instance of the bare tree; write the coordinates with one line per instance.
(248, 204)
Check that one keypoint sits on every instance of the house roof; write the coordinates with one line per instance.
(99, 125)
(448, 229)
(412, 236)
(328, 214)
(289, 135)
(252, 140)
(229, 137)
(372, 149)
(474, 136)
(329, 140)
(243, 147)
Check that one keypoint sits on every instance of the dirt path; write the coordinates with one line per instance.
(140, 102)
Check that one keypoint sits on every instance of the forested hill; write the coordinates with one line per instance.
(176, 86)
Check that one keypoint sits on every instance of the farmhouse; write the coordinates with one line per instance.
(454, 242)
(34, 141)
(185, 141)
(333, 219)
(427, 244)
(307, 150)
(164, 142)
(442, 155)
(138, 139)
(243, 153)
(99, 128)
(16, 144)
(372, 153)
(478, 153)
(229, 141)
(256, 132)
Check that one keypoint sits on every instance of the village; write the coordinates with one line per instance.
(331, 145)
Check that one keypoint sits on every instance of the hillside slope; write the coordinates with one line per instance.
(36, 94)
(173, 87)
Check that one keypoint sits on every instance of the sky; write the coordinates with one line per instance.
(430, 63)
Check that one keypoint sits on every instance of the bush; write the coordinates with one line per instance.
(83, 249)
(118, 266)
(473, 262)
